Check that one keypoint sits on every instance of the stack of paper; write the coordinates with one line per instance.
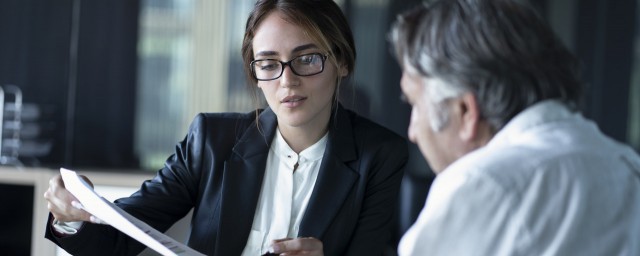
(121, 220)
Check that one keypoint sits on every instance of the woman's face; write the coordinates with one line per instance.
(298, 101)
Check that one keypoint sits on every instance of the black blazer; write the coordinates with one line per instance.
(218, 169)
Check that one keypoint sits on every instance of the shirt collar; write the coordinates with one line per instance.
(312, 153)
(540, 113)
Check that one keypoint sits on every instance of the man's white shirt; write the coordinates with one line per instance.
(548, 183)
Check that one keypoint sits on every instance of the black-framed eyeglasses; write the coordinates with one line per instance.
(303, 65)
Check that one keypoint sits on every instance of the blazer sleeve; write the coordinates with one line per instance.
(160, 202)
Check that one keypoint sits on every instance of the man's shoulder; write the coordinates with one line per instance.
(508, 168)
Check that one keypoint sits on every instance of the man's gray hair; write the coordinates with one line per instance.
(502, 51)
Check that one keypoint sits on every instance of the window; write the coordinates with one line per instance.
(189, 61)
(633, 130)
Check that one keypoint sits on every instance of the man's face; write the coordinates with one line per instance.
(438, 147)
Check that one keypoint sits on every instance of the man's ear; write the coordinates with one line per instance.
(469, 117)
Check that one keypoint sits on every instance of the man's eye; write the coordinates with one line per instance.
(404, 98)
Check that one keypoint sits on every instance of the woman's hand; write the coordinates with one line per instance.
(63, 205)
(297, 246)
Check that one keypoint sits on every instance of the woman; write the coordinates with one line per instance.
(303, 176)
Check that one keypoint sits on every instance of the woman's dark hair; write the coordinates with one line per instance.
(502, 51)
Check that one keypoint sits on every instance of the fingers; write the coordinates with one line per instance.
(95, 220)
(297, 246)
(281, 240)
(62, 204)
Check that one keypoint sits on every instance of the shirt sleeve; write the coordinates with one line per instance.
(66, 228)
(465, 214)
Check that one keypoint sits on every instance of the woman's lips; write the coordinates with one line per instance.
(293, 101)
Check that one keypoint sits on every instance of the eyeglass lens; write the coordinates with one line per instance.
(304, 65)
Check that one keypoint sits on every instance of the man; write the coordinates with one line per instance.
(494, 98)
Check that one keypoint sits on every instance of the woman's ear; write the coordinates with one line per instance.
(343, 70)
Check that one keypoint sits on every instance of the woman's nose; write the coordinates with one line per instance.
(288, 78)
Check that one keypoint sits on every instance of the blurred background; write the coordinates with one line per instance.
(112, 85)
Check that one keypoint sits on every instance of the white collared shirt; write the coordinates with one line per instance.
(284, 194)
(548, 183)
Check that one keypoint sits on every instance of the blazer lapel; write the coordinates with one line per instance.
(335, 178)
(241, 185)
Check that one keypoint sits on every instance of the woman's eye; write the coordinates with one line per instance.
(307, 59)
(268, 67)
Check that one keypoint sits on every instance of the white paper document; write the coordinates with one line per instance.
(121, 220)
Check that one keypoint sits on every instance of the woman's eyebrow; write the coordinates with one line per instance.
(295, 50)
(304, 47)
(266, 53)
